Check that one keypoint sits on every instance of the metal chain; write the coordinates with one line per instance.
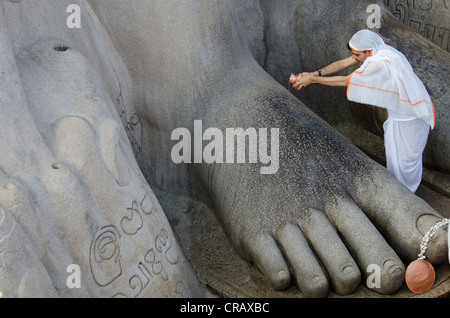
(429, 235)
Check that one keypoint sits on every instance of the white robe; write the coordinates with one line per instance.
(386, 79)
(405, 139)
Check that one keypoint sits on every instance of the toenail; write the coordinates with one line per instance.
(280, 280)
(393, 268)
(425, 222)
(319, 281)
(283, 275)
(350, 271)
(319, 287)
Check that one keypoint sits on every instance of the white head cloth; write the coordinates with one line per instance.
(366, 40)
(386, 79)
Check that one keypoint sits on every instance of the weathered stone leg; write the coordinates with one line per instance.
(117, 233)
(73, 193)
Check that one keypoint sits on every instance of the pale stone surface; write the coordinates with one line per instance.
(72, 191)
(76, 190)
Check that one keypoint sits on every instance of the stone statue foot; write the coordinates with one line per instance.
(329, 216)
(323, 215)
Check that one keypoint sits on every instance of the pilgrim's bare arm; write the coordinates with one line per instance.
(313, 78)
(337, 66)
(331, 80)
(306, 79)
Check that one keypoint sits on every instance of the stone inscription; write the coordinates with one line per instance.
(108, 262)
(429, 18)
(134, 132)
(132, 124)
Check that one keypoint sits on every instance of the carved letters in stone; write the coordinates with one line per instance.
(429, 18)
(108, 264)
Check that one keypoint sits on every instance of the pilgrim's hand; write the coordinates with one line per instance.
(302, 80)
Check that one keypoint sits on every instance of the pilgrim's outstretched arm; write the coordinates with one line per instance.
(338, 66)
(307, 79)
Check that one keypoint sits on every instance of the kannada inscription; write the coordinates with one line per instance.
(136, 271)
(429, 18)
